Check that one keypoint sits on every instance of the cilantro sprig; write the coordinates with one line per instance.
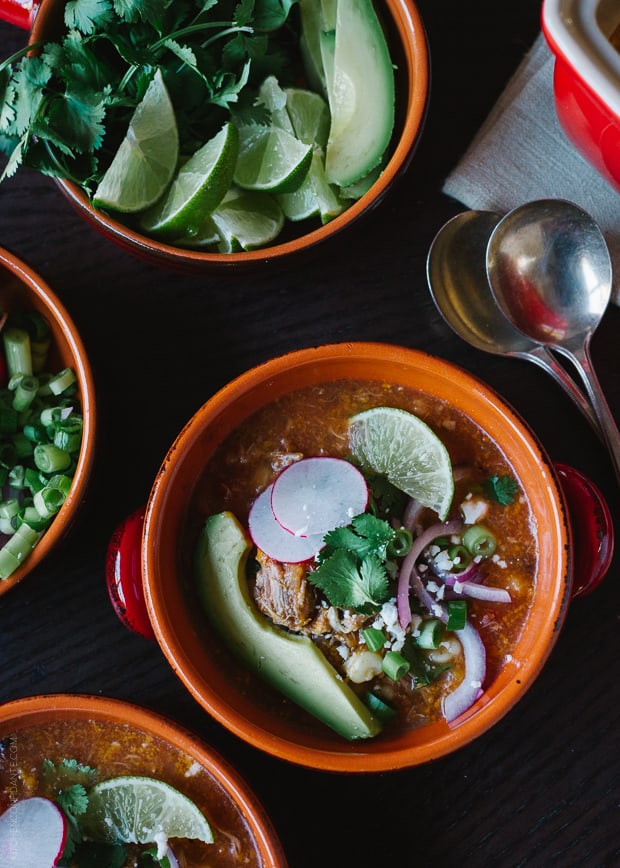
(501, 489)
(353, 566)
(65, 110)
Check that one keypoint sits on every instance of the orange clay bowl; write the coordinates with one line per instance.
(409, 51)
(196, 653)
(20, 287)
(147, 744)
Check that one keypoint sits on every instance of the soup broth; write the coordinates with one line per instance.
(115, 750)
(312, 422)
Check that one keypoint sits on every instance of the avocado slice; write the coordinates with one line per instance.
(291, 663)
(360, 94)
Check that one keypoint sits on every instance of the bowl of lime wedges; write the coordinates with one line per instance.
(357, 557)
(105, 782)
(222, 136)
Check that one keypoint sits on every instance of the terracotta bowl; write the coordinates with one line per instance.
(409, 51)
(164, 750)
(21, 288)
(586, 80)
(194, 651)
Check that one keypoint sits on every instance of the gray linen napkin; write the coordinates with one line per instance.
(521, 153)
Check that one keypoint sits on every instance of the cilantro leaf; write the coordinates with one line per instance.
(350, 583)
(501, 489)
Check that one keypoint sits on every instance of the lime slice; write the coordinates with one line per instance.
(315, 198)
(198, 188)
(271, 159)
(402, 447)
(247, 220)
(147, 157)
(309, 115)
(138, 810)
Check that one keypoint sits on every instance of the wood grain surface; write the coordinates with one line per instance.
(542, 788)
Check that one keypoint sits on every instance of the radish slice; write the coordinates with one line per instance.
(32, 834)
(273, 539)
(316, 495)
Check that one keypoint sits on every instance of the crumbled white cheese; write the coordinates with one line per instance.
(193, 770)
(344, 651)
(473, 509)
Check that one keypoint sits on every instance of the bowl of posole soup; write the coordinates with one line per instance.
(357, 557)
(145, 784)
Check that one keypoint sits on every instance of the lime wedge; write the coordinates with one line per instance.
(197, 189)
(147, 157)
(271, 159)
(302, 113)
(315, 198)
(404, 449)
(246, 220)
(138, 810)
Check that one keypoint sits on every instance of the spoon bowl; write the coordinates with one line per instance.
(550, 270)
(459, 286)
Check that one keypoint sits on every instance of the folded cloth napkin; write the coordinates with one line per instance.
(521, 153)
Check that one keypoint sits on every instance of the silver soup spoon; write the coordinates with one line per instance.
(549, 268)
(457, 279)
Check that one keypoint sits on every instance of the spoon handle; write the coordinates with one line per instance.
(544, 358)
(580, 357)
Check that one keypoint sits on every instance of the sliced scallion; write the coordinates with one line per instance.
(49, 458)
(479, 541)
(457, 615)
(17, 351)
(401, 544)
(395, 666)
(378, 707)
(431, 633)
(375, 639)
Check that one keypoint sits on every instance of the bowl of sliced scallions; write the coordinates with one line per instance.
(220, 134)
(47, 420)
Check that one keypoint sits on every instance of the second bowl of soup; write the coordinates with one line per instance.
(356, 557)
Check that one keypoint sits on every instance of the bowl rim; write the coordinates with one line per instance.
(39, 709)
(516, 676)
(574, 35)
(68, 511)
(413, 43)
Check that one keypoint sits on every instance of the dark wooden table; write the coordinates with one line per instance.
(542, 787)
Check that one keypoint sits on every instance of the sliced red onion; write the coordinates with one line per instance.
(470, 688)
(484, 592)
(408, 575)
(412, 512)
(172, 859)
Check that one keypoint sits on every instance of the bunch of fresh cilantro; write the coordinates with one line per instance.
(65, 109)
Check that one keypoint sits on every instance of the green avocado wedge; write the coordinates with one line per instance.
(359, 80)
(291, 663)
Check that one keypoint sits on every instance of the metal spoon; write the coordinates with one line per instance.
(550, 270)
(457, 279)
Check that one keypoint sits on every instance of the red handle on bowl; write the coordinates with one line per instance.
(593, 546)
(21, 13)
(124, 575)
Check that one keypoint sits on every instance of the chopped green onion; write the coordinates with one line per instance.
(48, 501)
(8, 420)
(68, 434)
(9, 510)
(62, 381)
(17, 351)
(479, 541)
(457, 614)
(460, 557)
(431, 633)
(378, 707)
(401, 544)
(374, 639)
(395, 666)
(25, 390)
(29, 515)
(62, 482)
(49, 458)
(17, 476)
(16, 550)
(23, 446)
